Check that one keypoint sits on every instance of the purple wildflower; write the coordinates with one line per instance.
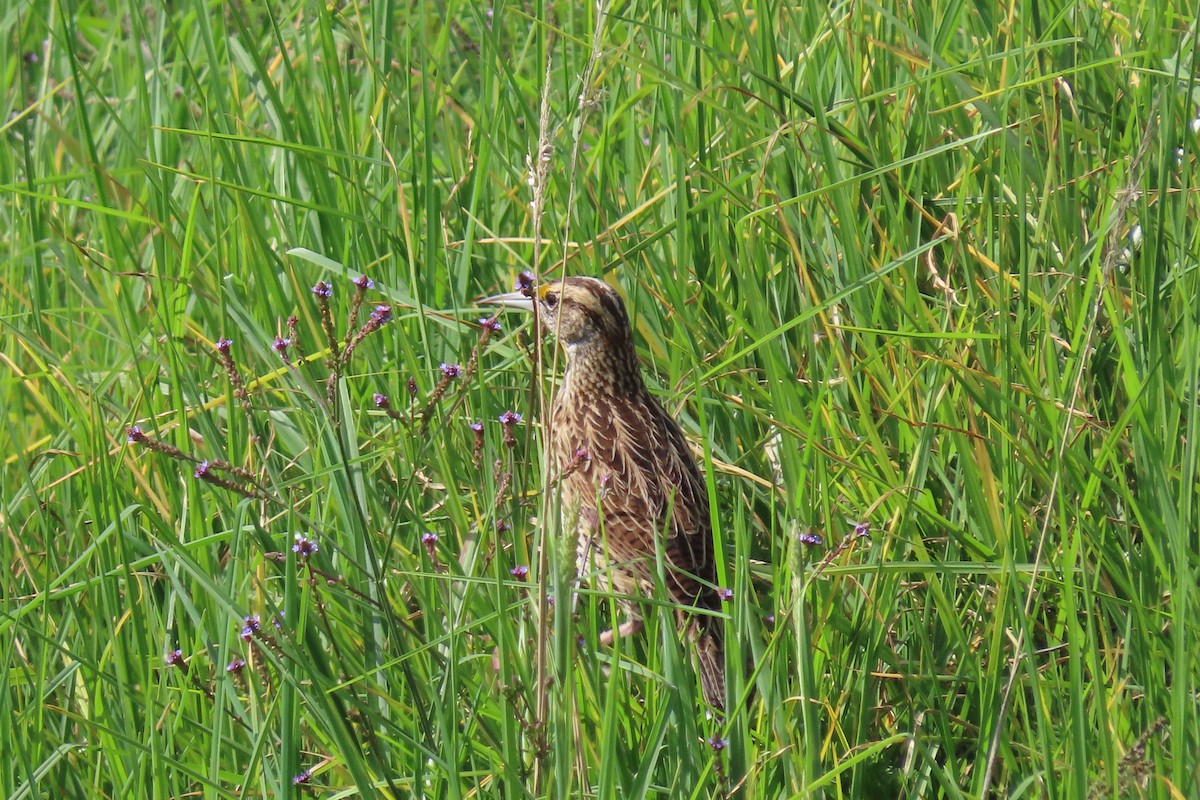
(718, 744)
(323, 290)
(235, 666)
(381, 401)
(490, 324)
(429, 538)
(502, 526)
(477, 427)
(250, 626)
(135, 435)
(862, 530)
(303, 777)
(280, 345)
(381, 315)
(726, 595)
(810, 539)
(202, 470)
(304, 547)
(451, 371)
(364, 283)
(174, 658)
(224, 345)
(519, 572)
(525, 281)
(510, 418)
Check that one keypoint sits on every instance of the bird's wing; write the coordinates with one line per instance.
(644, 484)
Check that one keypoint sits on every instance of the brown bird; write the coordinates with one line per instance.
(629, 482)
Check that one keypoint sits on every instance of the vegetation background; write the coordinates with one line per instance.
(921, 271)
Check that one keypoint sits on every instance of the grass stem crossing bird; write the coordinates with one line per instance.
(628, 479)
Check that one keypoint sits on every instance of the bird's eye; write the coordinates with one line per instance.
(551, 300)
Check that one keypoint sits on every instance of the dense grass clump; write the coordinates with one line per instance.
(919, 281)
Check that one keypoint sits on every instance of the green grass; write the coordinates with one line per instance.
(929, 267)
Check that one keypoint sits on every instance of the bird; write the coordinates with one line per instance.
(628, 480)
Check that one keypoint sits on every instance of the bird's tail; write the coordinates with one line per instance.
(710, 648)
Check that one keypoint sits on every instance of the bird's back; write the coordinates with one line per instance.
(631, 480)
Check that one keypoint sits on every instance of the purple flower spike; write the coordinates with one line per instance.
(280, 345)
(303, 777)
(502, 526)
(490, 324)
(519, 571)
(718, 744)
(135, 435)
(202, 470)
(477, 427)
(429, 538)
(364, 283)
(235, 666)
(381, 401)
(451, 370)
(525, 281)
(224, 345)
(304, 547)
(510, 418)
(174, 658)
(323, 290)
(726, 595)
(809, 539)
(381, 315)
(862, 530)
(250, 626)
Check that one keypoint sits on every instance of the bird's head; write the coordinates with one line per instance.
(581, 312)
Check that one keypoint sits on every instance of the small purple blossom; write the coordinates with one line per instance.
(224, 345)
(490, 324)
(510, 418)
(323, 290)
(304, 547)
(235, 666)
(174, 658)
(381, 401)
(477, 427)
(769, 619)
(502, 526)
(726, 595)
(364, 283)
(451, 371)
(717, 744)
(303, 777)
(280, 345)
(277, 620)
(381, 315)
(135, 435)
(862, 530)
(202, 470)
(525, 281)
(519, 572)
(582, 456)
(250, 626)
(810, 539)
(429, 538)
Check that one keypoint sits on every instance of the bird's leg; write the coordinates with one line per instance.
(627, 628)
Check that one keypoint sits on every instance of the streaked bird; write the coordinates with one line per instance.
(629, 482)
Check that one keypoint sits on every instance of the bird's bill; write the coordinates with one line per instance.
(510, 300)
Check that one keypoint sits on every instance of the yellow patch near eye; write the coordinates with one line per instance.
(543, 290)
